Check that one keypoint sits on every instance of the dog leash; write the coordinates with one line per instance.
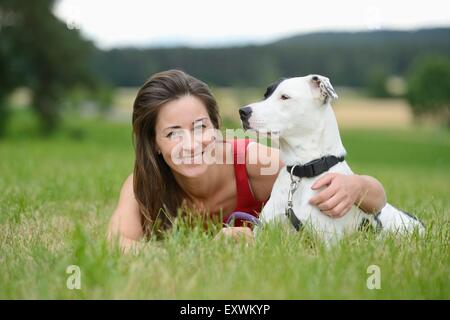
(243, 216)
(289, 209)
(309, 170)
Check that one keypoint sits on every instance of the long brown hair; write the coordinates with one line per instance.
(158, 194)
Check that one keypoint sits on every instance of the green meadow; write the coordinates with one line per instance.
(58, 193)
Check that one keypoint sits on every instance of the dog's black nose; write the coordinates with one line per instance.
(245, 112)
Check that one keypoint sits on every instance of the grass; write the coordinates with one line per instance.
(57, 195)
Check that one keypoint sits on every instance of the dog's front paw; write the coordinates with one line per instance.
(391, 219)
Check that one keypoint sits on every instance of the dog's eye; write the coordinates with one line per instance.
(284, 97)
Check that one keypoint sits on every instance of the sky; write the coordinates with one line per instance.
(203, 23)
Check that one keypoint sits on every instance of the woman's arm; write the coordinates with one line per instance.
(343, 191)
(125, 224)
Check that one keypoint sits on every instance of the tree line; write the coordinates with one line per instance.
(349, 59)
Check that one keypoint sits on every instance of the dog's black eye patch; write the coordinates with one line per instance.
(270, 89)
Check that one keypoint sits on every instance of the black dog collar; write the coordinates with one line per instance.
(315, 167)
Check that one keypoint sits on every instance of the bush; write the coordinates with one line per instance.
(429, 88)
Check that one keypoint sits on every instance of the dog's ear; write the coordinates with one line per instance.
(326, 89)
(270, 89)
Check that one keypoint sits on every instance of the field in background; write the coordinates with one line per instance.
(57, 195)
(352, 110)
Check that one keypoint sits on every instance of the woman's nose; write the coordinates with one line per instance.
(192, 141)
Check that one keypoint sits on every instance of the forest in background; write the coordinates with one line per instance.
(353, 59)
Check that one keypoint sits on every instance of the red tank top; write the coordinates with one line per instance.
(246, 201)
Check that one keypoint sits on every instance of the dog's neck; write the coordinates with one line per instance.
(299, 147)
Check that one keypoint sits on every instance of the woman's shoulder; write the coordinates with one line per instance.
(127, 186)
(239, 145)
(262, 160)
(259, 158)
(126, 220)
(127, 191)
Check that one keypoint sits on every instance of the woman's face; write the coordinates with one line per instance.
(183, 133)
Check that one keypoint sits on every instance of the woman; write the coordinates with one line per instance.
(170, 168)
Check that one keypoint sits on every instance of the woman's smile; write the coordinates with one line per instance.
(195, 159)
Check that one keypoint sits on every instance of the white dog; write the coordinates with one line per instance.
(299, 111)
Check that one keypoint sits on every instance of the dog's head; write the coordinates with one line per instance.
(289, 103)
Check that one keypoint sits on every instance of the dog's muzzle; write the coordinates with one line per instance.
(245, 113)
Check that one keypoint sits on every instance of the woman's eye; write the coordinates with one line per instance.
(173, 134)
(284, 97)
(200, 127)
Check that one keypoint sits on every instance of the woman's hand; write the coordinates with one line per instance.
(237, 233)
(344, 191)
